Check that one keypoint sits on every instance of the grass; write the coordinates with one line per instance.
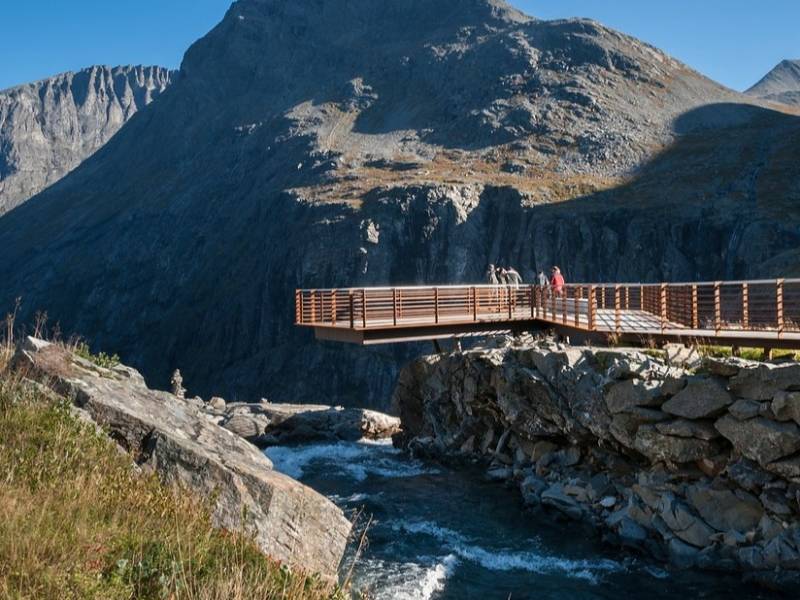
(101, 360)
(748, 353)
(78, 521)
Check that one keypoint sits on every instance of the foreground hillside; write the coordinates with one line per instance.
(80, 522)
(368, 142)
(47, 128)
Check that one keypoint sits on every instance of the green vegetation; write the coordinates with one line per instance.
(101, 360)
(78, 521)
(748, 353)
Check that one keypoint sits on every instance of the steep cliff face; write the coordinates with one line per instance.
(692, 460)
(781, 84)
(48, 127)
(311, 144)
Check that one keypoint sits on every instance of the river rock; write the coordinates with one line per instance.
(788, 468)
(763, 380)
(760, 439)
(659, 447)
(701, 398)
(304, 423)
(250, 427)
(786, 406)
(703, 430)
(745, 409)
(725, 509)
(290, 521)
(555, 497)
(748, 475)
(532, 488)
(631, 393)
(688, 527)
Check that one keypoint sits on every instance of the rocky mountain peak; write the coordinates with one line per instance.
(374, 142)
(48, 127)
(781, 84)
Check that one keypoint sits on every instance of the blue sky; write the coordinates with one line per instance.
(732, 41)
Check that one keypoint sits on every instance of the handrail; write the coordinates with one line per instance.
(709, 308)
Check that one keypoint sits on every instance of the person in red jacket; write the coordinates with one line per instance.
(557, 282)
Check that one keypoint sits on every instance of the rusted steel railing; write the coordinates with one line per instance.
(722, 306)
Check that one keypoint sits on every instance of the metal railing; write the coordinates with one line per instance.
(744, 306)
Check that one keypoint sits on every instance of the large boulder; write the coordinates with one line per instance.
(304, 423)
(786, 406)
(683, 523)
(174, 438)
(703, 397)
(702, 430)
(763, 380)
(624, 395)
(725, 509)
(659, 447)
(760, 439)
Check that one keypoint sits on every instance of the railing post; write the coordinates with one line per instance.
(364, 307)
(779, 305)
(352, 310)
(399, 305)
(394, 306)
(695, 314)
(333, 307)
(745, 306)
(617, 316)
(509, 291)
(577, 298)
(532, 295)
(314, 306)
(592, 323)
(564, 305)
(717, 307)
(436, 304)
(298, 307)
(663, 306)
(474, 303)
(627, 298)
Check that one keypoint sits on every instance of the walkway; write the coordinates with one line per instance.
(747, 313)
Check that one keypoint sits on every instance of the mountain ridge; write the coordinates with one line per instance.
(49, 126)
(310, 144)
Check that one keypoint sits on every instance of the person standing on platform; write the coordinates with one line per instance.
(557, 282)
(491, 275)
(513, 278)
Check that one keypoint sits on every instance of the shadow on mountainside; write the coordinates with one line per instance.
(180, 261)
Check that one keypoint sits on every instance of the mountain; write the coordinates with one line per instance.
(365, 142)
(781, 84)
(49, 127)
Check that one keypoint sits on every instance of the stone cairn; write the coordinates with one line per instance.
(177, 385)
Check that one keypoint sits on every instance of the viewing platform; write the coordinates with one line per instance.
(764, 313)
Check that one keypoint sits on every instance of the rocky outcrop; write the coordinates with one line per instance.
(700, 467)
(269, 424)
(47, 128)
(392, 142)
(177, 439)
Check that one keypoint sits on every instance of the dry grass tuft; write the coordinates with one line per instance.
(80, 522)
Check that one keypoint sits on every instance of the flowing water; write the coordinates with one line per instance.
(445, 534)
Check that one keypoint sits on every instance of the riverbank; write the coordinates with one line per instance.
(111, 489)
(691, 461)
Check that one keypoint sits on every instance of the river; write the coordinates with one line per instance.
(439, 533)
